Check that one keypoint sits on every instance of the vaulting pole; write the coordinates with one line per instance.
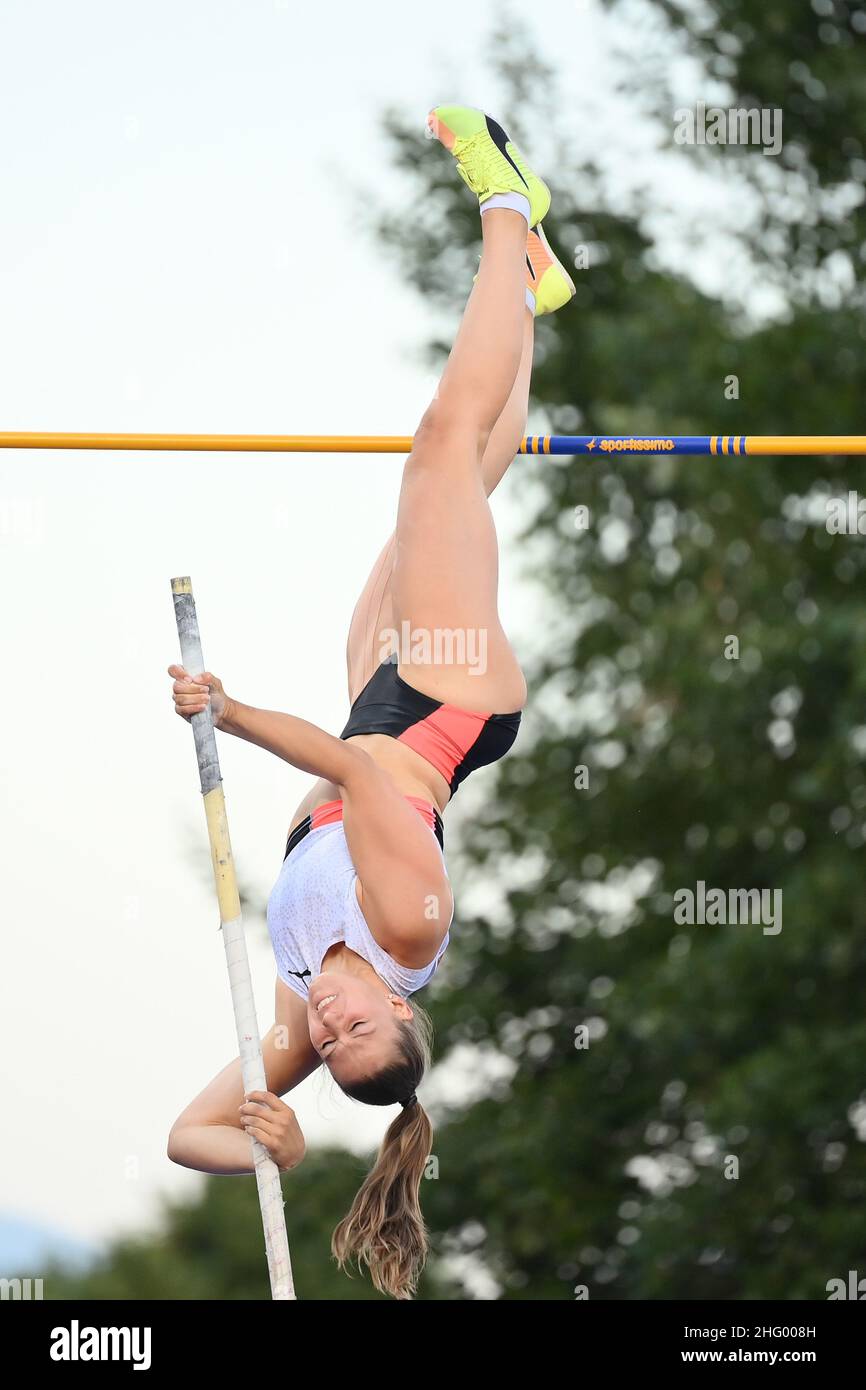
(781, 445)
(240, 982)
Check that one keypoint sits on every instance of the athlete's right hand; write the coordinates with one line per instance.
(193, 694)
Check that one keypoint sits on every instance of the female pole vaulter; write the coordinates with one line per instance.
(360, 914)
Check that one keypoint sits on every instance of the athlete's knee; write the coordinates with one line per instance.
(449, 427)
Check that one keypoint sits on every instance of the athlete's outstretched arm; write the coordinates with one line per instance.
(304, 745)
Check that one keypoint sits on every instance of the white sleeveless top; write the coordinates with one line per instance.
(313, 905)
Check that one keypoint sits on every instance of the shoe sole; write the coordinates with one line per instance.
(539, 232)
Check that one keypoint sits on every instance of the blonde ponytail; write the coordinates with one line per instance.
(385, 1228)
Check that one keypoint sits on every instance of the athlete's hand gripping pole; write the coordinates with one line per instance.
(249, 1042)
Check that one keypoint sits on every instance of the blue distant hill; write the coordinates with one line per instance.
(25, 1247)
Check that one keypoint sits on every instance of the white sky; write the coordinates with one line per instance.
(180, 251)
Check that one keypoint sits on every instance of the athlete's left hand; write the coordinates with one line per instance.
(266, 1118)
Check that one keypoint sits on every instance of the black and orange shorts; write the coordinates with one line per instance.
(455, 741)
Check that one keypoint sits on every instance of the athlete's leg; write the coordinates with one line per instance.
(374, 612)
(373, 615)
(508, 432)
(446, 560)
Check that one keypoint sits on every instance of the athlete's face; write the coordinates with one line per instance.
(354, 1025)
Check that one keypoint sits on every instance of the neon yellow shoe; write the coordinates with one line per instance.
(487, 160)
(546, 277)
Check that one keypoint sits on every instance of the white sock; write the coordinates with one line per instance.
(515, 201)
(530, 300)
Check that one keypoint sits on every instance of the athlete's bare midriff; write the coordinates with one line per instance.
(411, 774)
